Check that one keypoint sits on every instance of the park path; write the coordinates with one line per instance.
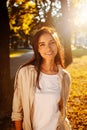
(19, 60)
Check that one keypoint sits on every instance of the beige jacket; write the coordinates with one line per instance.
(24, 90)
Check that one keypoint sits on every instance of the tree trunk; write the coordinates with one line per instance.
(65, 28)
(5, 86)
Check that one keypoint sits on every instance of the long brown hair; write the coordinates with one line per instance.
(36, 60)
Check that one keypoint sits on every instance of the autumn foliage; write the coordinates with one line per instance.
(77, 104)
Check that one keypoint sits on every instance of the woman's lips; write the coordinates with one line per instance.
(50, 53)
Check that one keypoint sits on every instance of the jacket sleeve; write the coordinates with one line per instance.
(63, 123)
(17, 98)
(67, 86)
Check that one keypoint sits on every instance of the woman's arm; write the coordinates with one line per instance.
(18, 125)
(17, 108)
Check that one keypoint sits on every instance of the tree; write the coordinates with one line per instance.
(27, 16)
(65, 29)
(22, 18)
(5, 106)
(48, 10)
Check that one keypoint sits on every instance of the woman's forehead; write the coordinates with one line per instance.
(45, 36)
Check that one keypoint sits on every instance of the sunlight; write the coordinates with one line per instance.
(30, 4)
(15, 55)
(81, 14)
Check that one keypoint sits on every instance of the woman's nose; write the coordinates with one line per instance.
(48, 47)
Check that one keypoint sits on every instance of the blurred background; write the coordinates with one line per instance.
(19, 20)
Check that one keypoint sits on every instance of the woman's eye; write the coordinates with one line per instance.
(41, 45)
(52, 42)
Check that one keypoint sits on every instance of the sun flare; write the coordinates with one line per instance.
(81, 14)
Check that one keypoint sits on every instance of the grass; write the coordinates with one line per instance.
(79, 52)
(77, 104)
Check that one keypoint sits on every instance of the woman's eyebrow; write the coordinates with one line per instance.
(44, 42)
(52, 40)
(41, 42)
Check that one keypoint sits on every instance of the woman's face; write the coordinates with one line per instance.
(47, 47)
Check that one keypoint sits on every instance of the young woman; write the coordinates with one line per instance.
(42, 86)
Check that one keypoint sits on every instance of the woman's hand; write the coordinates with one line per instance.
(18, 125)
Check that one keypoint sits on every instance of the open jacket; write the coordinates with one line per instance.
(23, 100)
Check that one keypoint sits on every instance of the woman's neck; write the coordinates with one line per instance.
(49, 67)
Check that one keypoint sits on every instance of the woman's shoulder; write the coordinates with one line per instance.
(66, 79)
(64, 72)
(26, 68)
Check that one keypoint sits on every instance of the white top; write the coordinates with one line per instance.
(46, 102)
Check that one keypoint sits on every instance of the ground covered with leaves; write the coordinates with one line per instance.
(77, 104)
